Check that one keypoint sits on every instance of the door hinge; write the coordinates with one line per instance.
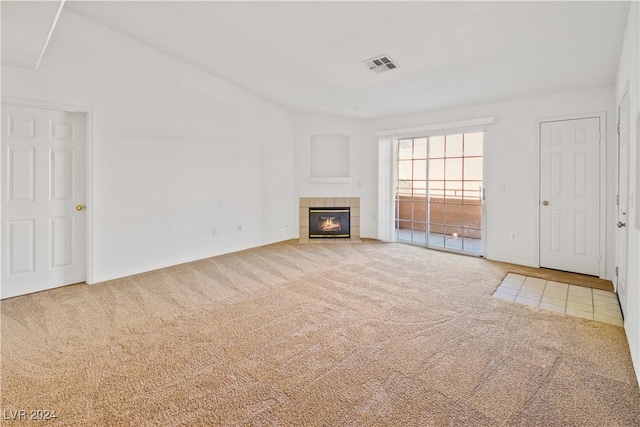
(618, 128)
(616, 271)
(618, 200)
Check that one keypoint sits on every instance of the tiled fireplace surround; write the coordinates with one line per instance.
(321, 202)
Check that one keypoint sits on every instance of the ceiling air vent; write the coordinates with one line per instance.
(380, 64)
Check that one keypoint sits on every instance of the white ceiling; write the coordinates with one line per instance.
(25, 26)
(308, 55)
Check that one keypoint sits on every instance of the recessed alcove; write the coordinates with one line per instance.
(330, 157)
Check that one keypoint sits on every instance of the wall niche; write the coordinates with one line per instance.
(330, 157)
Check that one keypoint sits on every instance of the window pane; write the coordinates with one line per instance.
(436, 169)
(404, 188)
(472, 217)
(454, 146)
(420, 170)
(436, 235)
(402, 233)
(405, 169)
(473, 233)
(473, 168)
(436, 212)
(453, 215)
(436, 147)
(453, 231)
(419, 211)
(472, 244)
(419, 226)
(436, 189)
(453, 169)
(454, 238)
(420, 148)
(473, 144)
(419, 189)
(419, 236)
(453, 191)
(404, 149)
(404, 211)
(472, 192)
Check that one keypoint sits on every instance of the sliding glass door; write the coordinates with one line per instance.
(439, 191)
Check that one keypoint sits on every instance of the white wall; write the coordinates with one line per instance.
(176, 151)
(511, 153)
(629, 73)
(23, 83)
(364, 167)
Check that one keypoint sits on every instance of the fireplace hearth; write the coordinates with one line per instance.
(329, 222)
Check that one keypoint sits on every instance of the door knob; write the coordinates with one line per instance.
(545, 203)
(621, 224)
(80, 207)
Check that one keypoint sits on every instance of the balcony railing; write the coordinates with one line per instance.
(450, 215)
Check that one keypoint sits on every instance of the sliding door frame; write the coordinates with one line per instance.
(427, 204)
(387, 163)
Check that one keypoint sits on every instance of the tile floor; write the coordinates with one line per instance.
(588, 303)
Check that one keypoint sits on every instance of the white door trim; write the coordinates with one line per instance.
(618, 255)
(603, 181)
(88, 112)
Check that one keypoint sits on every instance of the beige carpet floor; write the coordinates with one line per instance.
(313, 335)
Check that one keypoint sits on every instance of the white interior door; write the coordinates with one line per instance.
(570, 195)
(43, 191)
(623, 200)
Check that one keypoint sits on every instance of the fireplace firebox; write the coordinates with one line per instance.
(329, 223)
